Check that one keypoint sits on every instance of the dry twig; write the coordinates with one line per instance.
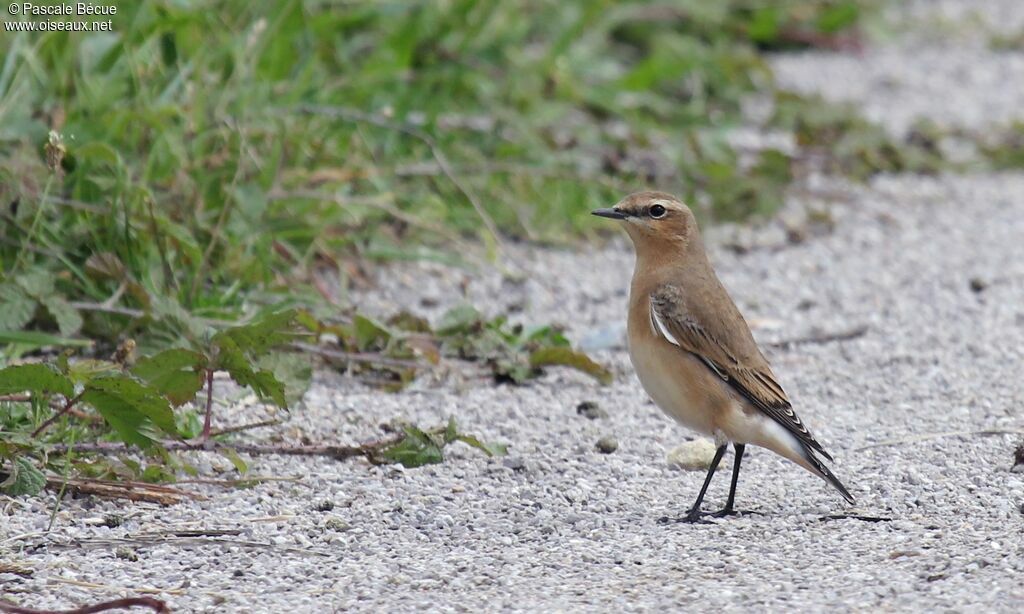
(117, 604)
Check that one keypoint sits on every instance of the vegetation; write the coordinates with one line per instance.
(203, 168)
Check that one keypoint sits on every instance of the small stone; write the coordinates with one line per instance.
(591, 410)
(693, 455)
(126, 553)
(112, 521)
(324, 506)
(978, 284)
(336, 524)
(607, 445)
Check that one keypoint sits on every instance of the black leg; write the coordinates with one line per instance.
(694, 514)
(728, 509)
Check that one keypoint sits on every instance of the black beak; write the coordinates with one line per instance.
(613, 214)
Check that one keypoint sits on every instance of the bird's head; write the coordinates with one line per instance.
(653, 218)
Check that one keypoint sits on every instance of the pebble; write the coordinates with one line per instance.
(693, 455)
(607, 445)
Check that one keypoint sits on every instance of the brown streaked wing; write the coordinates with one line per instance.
(752, 377)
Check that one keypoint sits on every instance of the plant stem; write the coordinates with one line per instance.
(209, 406)
(67, 407)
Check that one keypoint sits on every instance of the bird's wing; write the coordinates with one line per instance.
(723, 342)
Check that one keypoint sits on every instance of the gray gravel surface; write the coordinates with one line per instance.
(558, 525)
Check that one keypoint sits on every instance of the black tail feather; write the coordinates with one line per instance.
(826, 473)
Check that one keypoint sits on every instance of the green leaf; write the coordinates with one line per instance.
(157, 474)
(490, 449)
(36, 378)
(369, 333)
(128, 423)
(23, 478)
(231, 359)
(128, 405)
(176, 373)
(415, 450)
(69, 321)
(37, 282)
(570, 358)
(258, 337)
(293, 370)
(16, 307)
(450, 430)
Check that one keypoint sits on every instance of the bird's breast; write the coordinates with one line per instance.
(677, 381)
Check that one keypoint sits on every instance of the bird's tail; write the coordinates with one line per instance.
(819, 468)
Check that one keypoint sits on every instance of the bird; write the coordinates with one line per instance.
(693, 352)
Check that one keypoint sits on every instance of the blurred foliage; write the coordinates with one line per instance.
(143, 401)
(1007, 41)
(1004, 149)
(207, 157)
(390, 354)
(848, 144)
(93, 400)
(419, 447)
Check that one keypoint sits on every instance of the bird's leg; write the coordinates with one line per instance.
(694, 514)
(728, 509)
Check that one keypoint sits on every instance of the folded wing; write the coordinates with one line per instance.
(730, 352)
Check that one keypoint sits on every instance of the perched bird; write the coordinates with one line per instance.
(693, 351)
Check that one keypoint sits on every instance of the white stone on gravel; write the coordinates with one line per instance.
(693, 455)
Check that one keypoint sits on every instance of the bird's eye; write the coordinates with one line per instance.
(657, 211)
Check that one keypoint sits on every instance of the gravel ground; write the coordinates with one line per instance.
(934, 268)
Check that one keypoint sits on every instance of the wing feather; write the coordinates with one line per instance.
(744, 367)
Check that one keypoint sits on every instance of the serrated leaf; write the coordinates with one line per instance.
(231, 359)
(176, 373)
(127, 422)
(128, 405)
(490, 449)
(23, 478)
(37, 282)
(69, 321)
(16, 307)
(258, 337)
(570, 358)
(415, 450)
(36, 378)
(293, 370)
